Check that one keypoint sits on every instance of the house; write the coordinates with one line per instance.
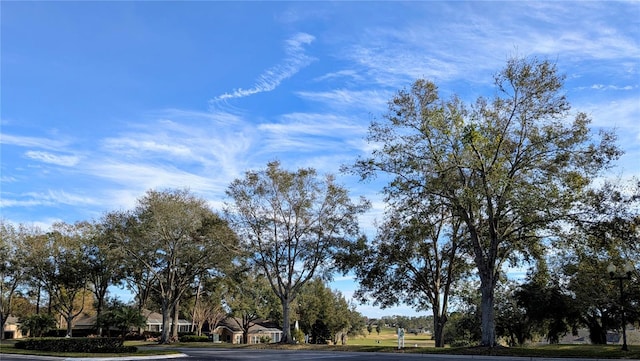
(154, 322)
(229, 330)
(12, 328)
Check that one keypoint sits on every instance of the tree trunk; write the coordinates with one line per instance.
(195, 310)
(39, 294)
(286, 321)
(166, 325)
(3, 320)
(438, 328)
(176, 318)
(488, 324)
(99, 305)
(69, 326)
(597, 332)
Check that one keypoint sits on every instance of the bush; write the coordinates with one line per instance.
(298, 335)
(135, 336)
(265, 339)
(194, 338)
(462, 343)
(59, 332)
(37, 325)
(88, 345)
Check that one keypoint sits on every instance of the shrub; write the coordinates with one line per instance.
(194, 338)
(88, 345)
(298, 335)
(265, 339)
(135, 336)
(59, 332)
(37, 325)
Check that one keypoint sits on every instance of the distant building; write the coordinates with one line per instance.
(228, 330)
(12, 328)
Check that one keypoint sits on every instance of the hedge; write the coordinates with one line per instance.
(194, 338)
(88, 345)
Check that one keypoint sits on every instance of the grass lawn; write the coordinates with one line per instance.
(7, 346)
(388, 343)
(387, 337)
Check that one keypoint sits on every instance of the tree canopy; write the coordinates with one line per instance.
(510, 167)
(291, 223)
(176, 238)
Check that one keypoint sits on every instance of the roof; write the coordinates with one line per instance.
(257, 326)
(154, 318)
(12, 320)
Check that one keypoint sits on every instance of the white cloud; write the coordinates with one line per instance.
(32, 142)
(149, 176)
(370, 100)
(314, 124)
(49, 198)
(137, 146)
(295, 61)
(341, 74)
(46, 157)
(610, 87)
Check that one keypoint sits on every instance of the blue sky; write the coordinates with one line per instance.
(101, 101)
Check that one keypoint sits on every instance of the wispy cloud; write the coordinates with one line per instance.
(49, 198)
(341, 74)
(46, 157)
(295, 60)
(136, 146)
(608, 87)
(32, 142)
(314, 124)
(370, 100)
(310, 132)
(141, 176)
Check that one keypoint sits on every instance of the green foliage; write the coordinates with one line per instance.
(12, 266)
(193, 338)
(298, 335)
(511, 168)
(57, 261)
(122, 317)
(462, 329)
(606, 232)
(320, 333)
(37, 325)
(175, 237)
(87, 345)
(248, 297)
(291, 224)
(548, 309)
(317, 302)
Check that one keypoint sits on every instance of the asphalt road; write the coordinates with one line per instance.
(283, 355)
(299, 355)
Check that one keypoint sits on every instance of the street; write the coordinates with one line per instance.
(286, 355)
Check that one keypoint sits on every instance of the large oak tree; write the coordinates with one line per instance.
(12, 266)
(175, 237)
(508, 167)
(57, 260)
(415, 259)
(291, 223)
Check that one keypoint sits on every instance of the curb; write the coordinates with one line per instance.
(126, 358)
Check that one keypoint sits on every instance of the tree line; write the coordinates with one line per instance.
(172, 248)
(512, 180)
